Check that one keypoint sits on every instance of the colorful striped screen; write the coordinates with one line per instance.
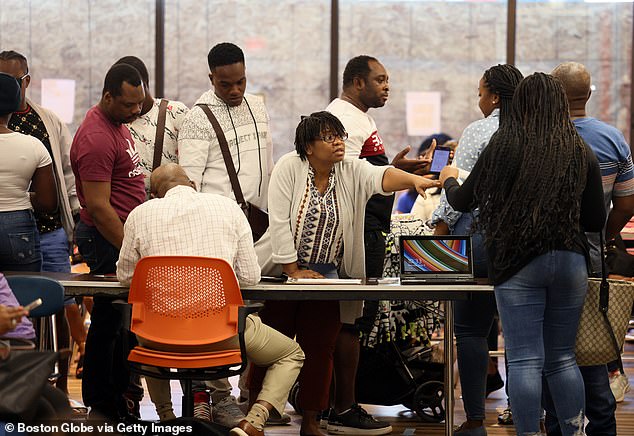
(442, 256)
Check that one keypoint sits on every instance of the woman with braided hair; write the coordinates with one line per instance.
(538, 188)
(475, 317)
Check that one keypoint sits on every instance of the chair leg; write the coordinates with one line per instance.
(188, 399)
(53, 328)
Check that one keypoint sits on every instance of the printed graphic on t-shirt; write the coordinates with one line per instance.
(134, 157)
(372, 146)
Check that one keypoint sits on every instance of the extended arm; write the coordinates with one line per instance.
(397, 180)
(460, 197)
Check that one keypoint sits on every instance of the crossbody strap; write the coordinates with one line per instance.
(226, 155)
(604, 302)
(160, 135)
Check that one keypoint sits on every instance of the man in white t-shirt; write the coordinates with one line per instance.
(365, 86)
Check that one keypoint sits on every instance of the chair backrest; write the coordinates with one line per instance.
(184, 300)
(29, 288)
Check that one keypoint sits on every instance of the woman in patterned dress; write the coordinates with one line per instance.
(316, 210)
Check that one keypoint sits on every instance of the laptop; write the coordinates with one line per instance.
(435, 259)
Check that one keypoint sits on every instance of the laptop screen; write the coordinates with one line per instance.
(435, 255)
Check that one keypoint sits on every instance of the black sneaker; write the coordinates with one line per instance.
(506, 417)
(356, 421)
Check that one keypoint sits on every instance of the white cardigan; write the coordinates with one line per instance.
(356, 181)
(61, 139)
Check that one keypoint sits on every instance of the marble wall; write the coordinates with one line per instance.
(76, 39)
(425, 45)
(597, 34)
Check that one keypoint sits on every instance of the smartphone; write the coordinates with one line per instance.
(440, 159)
(33, 304)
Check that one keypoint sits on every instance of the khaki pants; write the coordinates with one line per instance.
(265, 347)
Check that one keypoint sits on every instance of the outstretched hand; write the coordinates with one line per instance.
(423, 183)
(418, 166)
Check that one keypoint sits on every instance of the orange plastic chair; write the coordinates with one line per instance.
(186, 301)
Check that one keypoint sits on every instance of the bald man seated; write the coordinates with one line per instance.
(180, 221)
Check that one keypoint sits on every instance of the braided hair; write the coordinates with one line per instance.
(534, 171)
(502, 80)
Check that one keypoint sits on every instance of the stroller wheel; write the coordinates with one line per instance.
(293, 397)
(428, 401)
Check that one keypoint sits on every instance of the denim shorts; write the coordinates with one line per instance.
(19, 242)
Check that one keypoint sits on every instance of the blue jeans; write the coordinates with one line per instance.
(100, 255)
(19, 242)
(56, 254)
(540, 307)
(473, 320)
(600, 404)
(55, 251)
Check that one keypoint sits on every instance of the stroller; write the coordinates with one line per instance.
(395, 365)
(398, 369)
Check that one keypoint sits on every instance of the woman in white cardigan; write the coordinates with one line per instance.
(316, 211)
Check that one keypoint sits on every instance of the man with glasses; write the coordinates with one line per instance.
(56, 228)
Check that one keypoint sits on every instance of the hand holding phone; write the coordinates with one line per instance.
(440, 159)
(33, 304)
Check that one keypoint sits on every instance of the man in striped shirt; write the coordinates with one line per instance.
(613, 153)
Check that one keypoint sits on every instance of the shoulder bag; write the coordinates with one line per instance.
(258, 218)
(160, 135)
(605, 318)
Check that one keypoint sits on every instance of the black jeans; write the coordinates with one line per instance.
(106, 371)
(473, 320)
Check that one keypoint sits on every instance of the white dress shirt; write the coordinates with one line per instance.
(188, 223)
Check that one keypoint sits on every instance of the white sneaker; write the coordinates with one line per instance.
(202, 411)
(620, 385)
(227, 413)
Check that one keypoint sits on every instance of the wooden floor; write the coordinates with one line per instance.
(403, 422)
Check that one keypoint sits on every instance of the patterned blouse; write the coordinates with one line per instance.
(319, 235)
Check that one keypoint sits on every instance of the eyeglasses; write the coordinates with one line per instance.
(331, 137)
(20, 79)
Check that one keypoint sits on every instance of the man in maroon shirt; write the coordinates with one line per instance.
(109, 185)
